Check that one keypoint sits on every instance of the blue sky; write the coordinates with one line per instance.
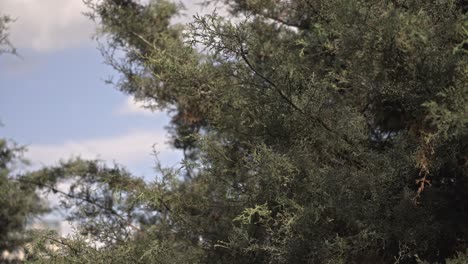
(57, 104)
(54, 100)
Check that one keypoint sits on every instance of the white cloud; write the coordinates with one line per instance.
(131, 106)
(131, 150)
(45, 25)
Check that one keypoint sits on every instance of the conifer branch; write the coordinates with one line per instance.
(84, 199)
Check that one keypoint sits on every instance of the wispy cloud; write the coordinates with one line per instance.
(48, 24)
(131, 150)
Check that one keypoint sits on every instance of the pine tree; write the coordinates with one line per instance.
(316, 131)
(19, 202)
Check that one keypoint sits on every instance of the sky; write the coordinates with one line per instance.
(53, 98)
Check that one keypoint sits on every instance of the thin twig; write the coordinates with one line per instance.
(110, 210)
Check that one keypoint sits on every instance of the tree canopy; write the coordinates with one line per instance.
(313, 131)
(19, 201)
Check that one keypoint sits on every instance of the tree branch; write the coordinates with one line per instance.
(110, 210)
(271, 83)
(246, 60)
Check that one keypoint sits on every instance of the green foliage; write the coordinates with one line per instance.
(314, 132)
(459, 259)
(18, 201)
(99, 199)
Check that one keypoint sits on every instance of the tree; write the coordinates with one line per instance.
(317, 132)
(19, 201)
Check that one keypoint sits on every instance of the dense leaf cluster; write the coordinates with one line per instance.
(314, 131)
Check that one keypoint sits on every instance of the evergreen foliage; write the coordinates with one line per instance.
(18, 201)
(315, 132)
